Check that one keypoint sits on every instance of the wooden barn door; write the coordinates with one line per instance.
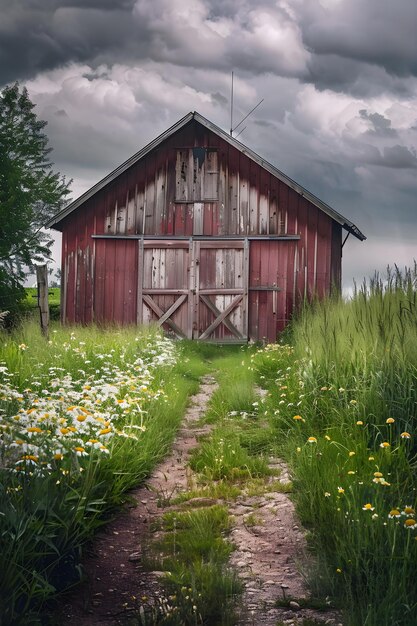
(195, 289)
(220, 302)
(164, 285)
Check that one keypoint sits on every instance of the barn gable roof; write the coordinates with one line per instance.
(346, 224)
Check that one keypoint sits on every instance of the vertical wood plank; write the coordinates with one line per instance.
(198, 218)
(264, 188)
(118, 281)
(160, 180)
(140, 280)
(194, 298)
(292, 220)
(283, 208)
(64, 276)
(245, 304)
(110, 267)
(244, 185)
(312, 219)
(130, 283)
(254, 174)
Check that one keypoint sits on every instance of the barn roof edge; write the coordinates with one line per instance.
(345, 223)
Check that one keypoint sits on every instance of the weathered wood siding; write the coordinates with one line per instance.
(196, 185)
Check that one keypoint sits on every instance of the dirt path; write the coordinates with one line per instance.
(269, 546)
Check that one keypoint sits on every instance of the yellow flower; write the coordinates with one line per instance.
(64, 431)
(351, 472)
(312, 440)
(359, 423)
(385, 444)
(323, 388)
(30, 457)
(353, 402)
(338, 570)
(378, 474)
(405, 435)
(352, 453)
(58, 456)
(327, 494)
(371, 458)
(394, 513)
(390, 420)
(81, 418)
(298, 449)
(105, 431)
(327, 438)
(368, 507)
(410, 523)
(340, 490)
(34, 429)
(298, 418)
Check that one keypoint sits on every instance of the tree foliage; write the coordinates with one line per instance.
(30, 192)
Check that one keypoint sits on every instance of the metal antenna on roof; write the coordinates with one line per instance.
(231, 109)
(246, 116)
(241, 131)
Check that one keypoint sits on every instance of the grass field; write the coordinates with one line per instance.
(86, 415)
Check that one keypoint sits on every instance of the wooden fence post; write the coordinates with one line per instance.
(42, 278)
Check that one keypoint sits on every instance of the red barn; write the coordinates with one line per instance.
(202, 236)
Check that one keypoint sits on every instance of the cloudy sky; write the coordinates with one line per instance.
(338, 78)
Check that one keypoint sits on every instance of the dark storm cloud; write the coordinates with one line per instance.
(378, 32)
(39, 35)
(355, 46)
(354, 76)
(42, 35)
(398, 157)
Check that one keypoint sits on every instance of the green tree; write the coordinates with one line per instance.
(30, 193)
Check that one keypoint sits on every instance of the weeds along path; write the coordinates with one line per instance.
(117, 583)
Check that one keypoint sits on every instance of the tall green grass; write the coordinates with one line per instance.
(343, 404)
